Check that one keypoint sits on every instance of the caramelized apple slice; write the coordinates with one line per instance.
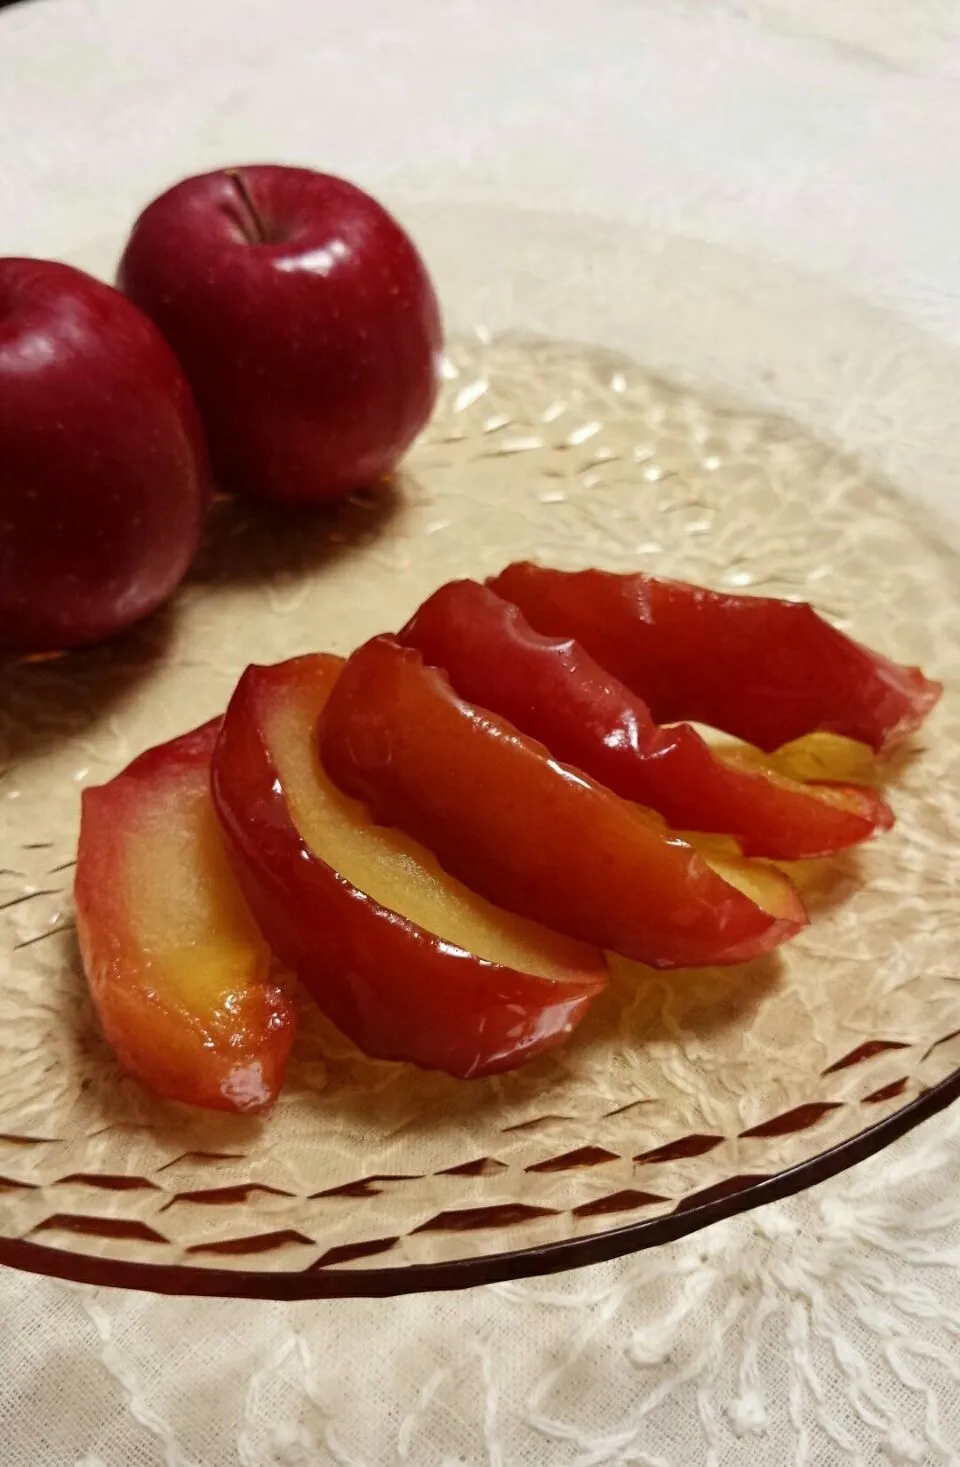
(555, 692)
(177, 969)
(531, 834)
(404, 959)
(764, 670)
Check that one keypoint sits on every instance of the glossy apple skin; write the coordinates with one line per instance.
(304, 318)
(526, 832)
(553, 691)
(765, 670)
(227, 1051)
(103, 470)
(396, 990)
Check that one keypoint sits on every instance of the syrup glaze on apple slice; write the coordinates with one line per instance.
(534, 835)
(765, 670)
(553, 691)
(404, 959)
(176, 967)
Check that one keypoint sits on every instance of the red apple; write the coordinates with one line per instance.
(103, 473)
(305, 321)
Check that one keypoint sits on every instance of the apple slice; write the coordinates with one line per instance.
(553, 691)
(402, 958)
(765, 670)
(176, 967)
(533, 835)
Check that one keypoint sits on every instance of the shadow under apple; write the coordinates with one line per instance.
(642, 1004)
(390, 1095)
(246, 543)
(48, 697)
(639, 1005)
(826, 883)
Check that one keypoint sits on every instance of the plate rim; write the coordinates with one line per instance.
(486, 1268)
(339, 1281)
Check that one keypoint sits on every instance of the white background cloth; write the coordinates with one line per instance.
(823, 135)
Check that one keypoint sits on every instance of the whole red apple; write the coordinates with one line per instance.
(304, 319)
(103, 470)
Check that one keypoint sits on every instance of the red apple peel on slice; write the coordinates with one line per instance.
(552, 690)
(535, 836)
(404, 960)
(177, 969)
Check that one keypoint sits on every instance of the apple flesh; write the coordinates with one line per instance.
(553, 691)
(765, 670)
(533, 835)
(406, 961)
(304, 318)
(103, 471)
(177, 970)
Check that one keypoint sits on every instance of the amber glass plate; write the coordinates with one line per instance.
(684, 1097)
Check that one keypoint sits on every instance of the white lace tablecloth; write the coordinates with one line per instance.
(820, 135)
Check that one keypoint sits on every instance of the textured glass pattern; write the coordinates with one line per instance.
(683, 1095)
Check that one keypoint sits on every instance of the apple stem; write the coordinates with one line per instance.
(250, 223)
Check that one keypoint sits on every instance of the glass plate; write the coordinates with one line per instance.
(684, 1097)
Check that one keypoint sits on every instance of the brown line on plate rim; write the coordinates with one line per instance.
(28, 896)
(254, 1243)
(864, 1052)
(131, 1229)
(491, 1215)
(887, 1092)
(630, 1105)
(719, 1191)
(363, 1186)
(481, 1166)
(624, 1201)
(945, 1039)
(682, 1149)
(531, 1262)
(531, 1125)
(347, 1252)
(224, 1196)
(789, 1122)
(42, 936)
(108, 1181)
(203, 1156)
(581, 1156)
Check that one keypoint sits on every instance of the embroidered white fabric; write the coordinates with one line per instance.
(816, 1332)
(810, 134)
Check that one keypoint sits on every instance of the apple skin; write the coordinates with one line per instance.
(305, 321)
(552, 690)
(103, 470)
(532, 835)
(765, 670)
(217, 1034)
(398, 991)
